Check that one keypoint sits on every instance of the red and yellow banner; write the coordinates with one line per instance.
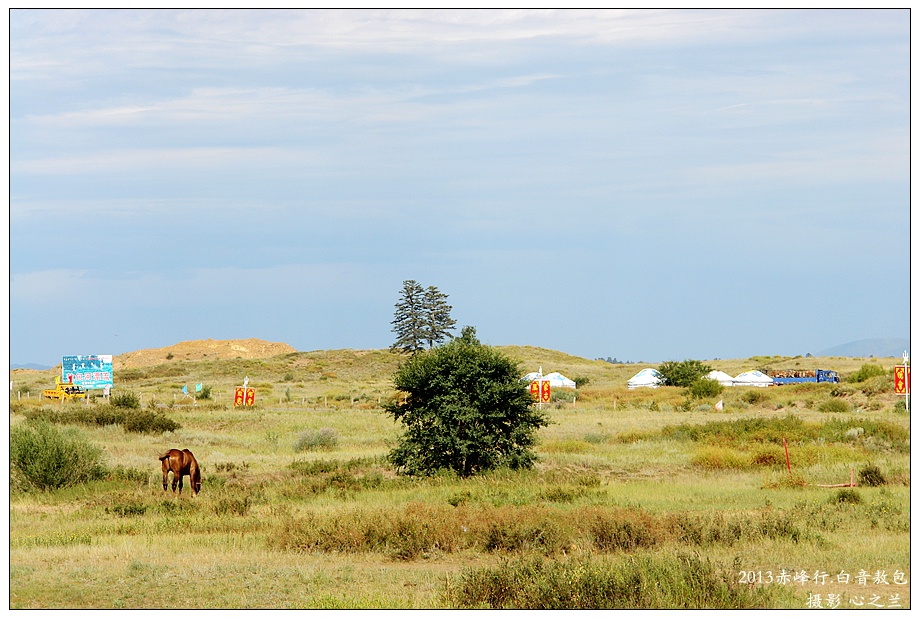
(535, 390)
(244, 396)
(901, 380)
(545, 391)
(540, 390)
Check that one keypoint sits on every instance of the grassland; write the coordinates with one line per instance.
(640, 498)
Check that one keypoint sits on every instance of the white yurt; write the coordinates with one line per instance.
(648, 377)
(557, 380)
(753, 378)
(721, 377)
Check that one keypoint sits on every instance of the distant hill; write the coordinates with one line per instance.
(865, 348)
(33, 366)
(205, 349)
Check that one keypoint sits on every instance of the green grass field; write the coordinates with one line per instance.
(643, 498)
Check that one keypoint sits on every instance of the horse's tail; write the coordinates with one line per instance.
(164, 456)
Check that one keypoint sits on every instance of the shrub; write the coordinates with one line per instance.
(870, 475)
(50, 458)
(754, 396)
(705, 388)
(865, 372)
(640, 582)
(846, 496)
(135, 420)
(719, 458)
(834, 406)
(325, 439)
(683, 373)
(127, 399)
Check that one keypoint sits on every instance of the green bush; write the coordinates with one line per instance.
(48, 457)
(639, 582)
(325, 439)
(865, 372)
(834, 406)
(754, 396)
(846, 496)
(131, 419)
(127, 399)
(683, 373)
(870, 475)
(705, 388)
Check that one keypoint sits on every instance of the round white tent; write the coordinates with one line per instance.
(557, 380)
(753, 378)
(648, 377)
(721, 377)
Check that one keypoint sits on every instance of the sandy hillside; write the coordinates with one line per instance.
(206, 349)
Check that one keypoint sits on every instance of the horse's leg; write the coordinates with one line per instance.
(175, 481)
(180, 483)
(165, 479)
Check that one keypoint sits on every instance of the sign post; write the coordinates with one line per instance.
(902, 380)
(541, 390)
(243, 395)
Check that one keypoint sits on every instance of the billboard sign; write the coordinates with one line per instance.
(94, 371)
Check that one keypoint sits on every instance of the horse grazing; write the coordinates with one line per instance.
(181, 463)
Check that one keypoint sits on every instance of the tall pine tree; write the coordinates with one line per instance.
(438, 322)
(422, 318)
(409, 322)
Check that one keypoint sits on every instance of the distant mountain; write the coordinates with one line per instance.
(865, 348)
(29, 366)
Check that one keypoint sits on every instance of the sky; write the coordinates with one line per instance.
(640, 185)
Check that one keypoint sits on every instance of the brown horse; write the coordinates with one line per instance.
(181, 463)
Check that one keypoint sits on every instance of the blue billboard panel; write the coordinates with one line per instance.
(87, 371)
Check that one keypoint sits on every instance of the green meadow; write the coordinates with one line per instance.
(642, 498)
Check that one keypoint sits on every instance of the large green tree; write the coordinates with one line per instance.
(463, 408)
(682, 373)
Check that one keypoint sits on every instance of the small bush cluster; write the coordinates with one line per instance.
(49, 457)
(705, 388)
(835, 406)
(865, 372)
(321, 439)
(419, 529)
(639, 582)
(131, 419)
(127, 399)
(871, 476)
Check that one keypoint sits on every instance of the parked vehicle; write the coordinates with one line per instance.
(64, 390)
(798, 376)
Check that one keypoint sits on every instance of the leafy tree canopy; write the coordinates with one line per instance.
(682, 373)
(464, 409)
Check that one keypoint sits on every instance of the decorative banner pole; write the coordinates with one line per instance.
(244, 396)
(902, 380)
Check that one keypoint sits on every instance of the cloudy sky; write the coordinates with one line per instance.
(644, 185)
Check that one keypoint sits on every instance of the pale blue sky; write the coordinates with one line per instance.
(645, 185)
